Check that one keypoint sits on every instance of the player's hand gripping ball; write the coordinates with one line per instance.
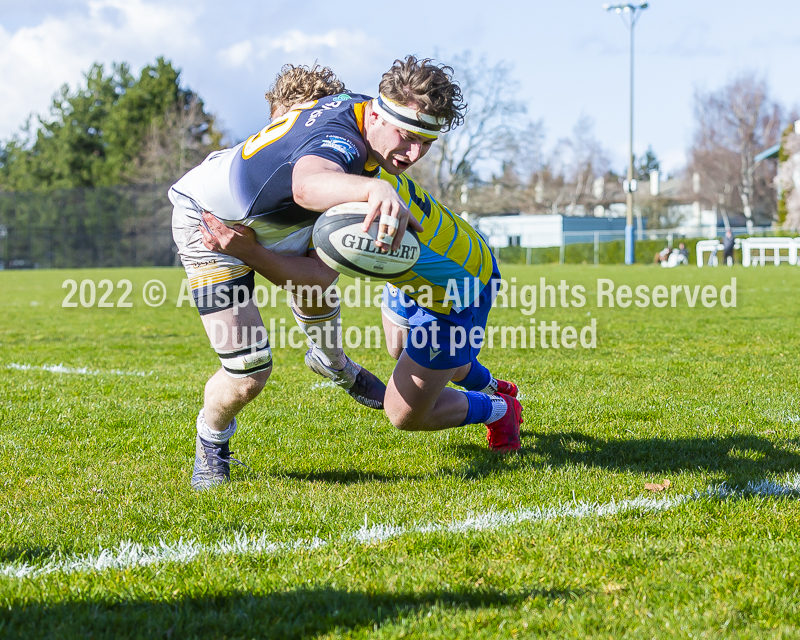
(344, 247)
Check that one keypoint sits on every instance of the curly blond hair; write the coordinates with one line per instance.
(301, 83)
(427, 86)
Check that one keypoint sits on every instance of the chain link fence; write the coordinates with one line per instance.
(608, 247)
(130, 226)
(121, 226)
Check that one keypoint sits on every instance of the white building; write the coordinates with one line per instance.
(551, 230)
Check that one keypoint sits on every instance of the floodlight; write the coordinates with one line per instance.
(633, 13)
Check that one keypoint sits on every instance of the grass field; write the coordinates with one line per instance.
(345, 527)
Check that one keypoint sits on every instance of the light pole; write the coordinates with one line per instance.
(629, 13)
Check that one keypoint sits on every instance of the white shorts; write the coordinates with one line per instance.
(219, 281)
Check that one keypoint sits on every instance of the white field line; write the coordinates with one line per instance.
(766, 488)
(129, 554)
(85, 371)
(328, 384)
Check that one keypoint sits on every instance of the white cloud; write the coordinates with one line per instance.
(337, 43)
(297, 42)
(237, 55)
(35, 61)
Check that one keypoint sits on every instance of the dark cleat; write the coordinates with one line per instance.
(212, 464)
(363, 386)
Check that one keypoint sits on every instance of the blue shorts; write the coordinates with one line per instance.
(438, 340)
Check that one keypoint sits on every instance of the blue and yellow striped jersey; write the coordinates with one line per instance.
(455, 262)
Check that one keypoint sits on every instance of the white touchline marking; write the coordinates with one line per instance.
(127, 554)
(323, 385)
(761, 488)
(60, 368)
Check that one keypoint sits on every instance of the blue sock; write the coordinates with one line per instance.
(479, 409)
(477, 379)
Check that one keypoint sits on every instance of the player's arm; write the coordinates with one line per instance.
(319, 184)
(240, 242)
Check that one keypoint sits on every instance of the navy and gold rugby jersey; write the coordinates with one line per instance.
(251, 183)
(455, 263)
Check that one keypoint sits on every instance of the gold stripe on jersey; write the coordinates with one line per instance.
(451, 249)
(359, 110)
(218, 275)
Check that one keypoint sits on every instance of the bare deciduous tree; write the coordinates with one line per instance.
(496, 130)
(177, 142)
(733, 125)
(580, 159)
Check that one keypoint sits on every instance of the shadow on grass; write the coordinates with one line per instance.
(736, 458)
(300, 613)
(482, 462)
(345, 476)
(22, 554)
(733, 459)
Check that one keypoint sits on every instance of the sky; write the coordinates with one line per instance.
(569, 57)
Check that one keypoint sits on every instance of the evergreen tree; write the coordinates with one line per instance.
(96, 135)
(647, 165)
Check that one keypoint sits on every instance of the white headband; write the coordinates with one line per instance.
(407, 118)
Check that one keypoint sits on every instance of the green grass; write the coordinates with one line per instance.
(699, 396)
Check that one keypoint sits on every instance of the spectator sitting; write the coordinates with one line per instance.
(677, 257)
(662, 255)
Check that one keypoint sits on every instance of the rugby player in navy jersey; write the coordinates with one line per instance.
(452, 253)
(277, 182)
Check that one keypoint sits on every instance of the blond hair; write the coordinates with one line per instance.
(301, 83)
(428, 87)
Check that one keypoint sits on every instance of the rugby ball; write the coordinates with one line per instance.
(344, 247)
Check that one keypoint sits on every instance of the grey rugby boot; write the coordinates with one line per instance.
(212, 464)
(362, 385)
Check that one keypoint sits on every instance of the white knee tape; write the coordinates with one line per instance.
(247, 361)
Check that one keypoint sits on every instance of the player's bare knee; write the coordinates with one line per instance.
(239, 390)
(400, 416)
(403, 423)
(408, 423)
(250, 386)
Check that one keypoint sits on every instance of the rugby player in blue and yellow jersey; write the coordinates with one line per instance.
(434, 318)
(453, 256)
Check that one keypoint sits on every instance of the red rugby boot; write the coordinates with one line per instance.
(507, 388)
(503, 434)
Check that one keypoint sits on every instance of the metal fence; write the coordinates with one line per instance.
(99, 227)
(607, 247)
(130, 226)
(664, 237)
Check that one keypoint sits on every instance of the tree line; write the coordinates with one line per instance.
(117, 128)
(732, 125)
